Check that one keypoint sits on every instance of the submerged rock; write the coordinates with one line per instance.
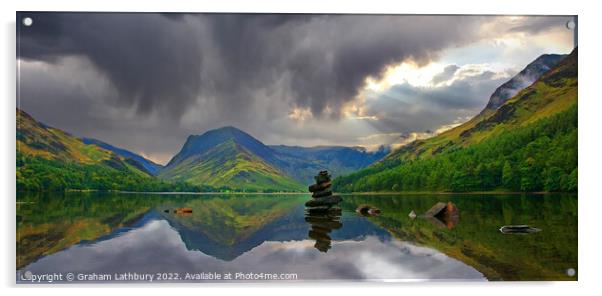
(183, 211)
(367, 210)
(518, 229)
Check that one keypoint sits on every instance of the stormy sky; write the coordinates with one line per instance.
(145, 81)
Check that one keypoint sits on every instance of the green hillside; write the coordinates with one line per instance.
(528, 144)
(231, 165)
(51, 159)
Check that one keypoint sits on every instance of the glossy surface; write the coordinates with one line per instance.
(116, 233)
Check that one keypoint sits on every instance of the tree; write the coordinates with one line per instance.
(553, 179)
(508, 176)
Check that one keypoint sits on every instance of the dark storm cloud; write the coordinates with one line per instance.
(537, 24)
(165, 62)
(146, 81)
(151, 60)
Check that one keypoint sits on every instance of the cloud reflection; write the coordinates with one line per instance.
(157, 247)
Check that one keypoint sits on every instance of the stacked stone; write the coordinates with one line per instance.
(321, 193)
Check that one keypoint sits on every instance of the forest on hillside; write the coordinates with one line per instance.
(541, 156)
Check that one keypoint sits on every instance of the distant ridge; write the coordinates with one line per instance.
(148, 165)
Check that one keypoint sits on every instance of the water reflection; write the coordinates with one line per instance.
(112, 232)
(157, 247)
(322, 223)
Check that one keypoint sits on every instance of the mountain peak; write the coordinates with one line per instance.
(531, 73)
(198, 144)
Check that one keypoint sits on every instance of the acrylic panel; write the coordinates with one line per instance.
(224, 147)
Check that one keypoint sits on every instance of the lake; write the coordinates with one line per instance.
(117, 237)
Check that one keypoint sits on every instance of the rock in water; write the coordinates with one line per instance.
(441, 209)
(374, 212)
(519, 229)
(444, 214)
(436, 209)
(183, 211)
(367, 210)
(412, 214)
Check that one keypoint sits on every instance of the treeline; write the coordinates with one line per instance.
(41, 174)
(539, 157)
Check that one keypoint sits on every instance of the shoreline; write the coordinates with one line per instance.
(309, 193)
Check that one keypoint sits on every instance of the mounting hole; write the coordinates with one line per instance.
(570, 25)
(27, 275)
(571, 272)
(27, 21)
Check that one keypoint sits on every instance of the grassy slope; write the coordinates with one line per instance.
(49, 157)
(555, 92)
(34, 139)
(552, 93)
(231, 165)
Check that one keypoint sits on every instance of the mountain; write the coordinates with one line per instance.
(228, 158)
(302, 163)
(51, 159)
(522, 80)
(140, 162)
(529, 143)
(232, 158)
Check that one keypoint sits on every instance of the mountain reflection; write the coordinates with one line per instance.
(321, 224)
(97, 232)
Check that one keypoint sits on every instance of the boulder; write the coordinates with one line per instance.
(436, 209)
(321, 194)
(374, 212)
(322, 177)
(367, 210)
(442, 210)
(443, 215)
(183, 211)
(320, 186)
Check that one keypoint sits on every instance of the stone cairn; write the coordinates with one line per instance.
(322, 198)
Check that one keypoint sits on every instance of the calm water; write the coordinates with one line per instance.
(111, 234)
